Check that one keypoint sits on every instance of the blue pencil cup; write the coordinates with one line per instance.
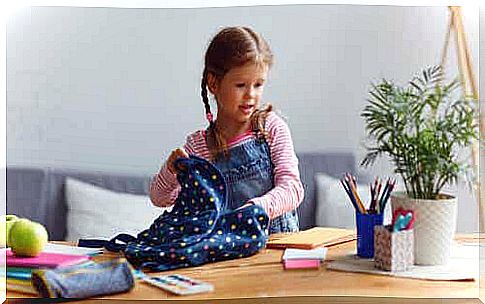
(365, 233)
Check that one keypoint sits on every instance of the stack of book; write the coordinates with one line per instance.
(19, 269)
(303, 258)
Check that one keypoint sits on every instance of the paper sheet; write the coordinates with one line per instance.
(301, 254)
(67, 249)
(463, 265)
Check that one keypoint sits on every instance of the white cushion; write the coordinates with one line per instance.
(95, 212)
(333, 206)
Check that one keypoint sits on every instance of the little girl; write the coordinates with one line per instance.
(250, 145)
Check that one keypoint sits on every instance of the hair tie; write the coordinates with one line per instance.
(209, 116)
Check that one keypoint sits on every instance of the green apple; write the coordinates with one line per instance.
(27, 238)
(6, 222)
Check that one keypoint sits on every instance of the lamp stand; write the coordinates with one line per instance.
(469, 86)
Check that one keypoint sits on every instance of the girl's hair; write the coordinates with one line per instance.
(233, 47)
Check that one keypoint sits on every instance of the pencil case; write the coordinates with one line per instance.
(84, 281)
(393, 251)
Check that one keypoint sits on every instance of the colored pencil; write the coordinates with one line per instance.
(386, 198)
(356, 195)
(351, 197)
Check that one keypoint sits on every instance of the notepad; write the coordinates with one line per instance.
(305, 254)
(44, 259)
(312, 238)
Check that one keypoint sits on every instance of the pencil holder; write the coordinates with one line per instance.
(365, 233)
(394, 251)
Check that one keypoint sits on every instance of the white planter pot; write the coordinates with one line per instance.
(434, 227)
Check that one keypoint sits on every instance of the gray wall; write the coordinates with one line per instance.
(116, 89)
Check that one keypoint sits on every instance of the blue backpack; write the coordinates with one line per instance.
(198, 229)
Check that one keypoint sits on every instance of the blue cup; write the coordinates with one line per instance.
(365, 233)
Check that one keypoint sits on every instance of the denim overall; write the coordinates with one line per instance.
(248, 173)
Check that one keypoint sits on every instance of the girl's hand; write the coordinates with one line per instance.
(177, 153)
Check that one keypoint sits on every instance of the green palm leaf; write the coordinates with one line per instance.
(421, 128)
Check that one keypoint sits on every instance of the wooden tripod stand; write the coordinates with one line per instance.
(469, 86)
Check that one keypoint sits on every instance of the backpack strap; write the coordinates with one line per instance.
(116, 244)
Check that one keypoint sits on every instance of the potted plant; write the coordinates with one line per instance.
(423, 128)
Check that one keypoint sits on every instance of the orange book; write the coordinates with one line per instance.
(312, 238)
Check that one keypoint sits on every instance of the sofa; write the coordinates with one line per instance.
(39, 193)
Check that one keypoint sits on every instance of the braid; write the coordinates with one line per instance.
(205, 99)
(214, 139)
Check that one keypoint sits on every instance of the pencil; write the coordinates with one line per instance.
(357, 198)
(352, 199)
(374, 189)
(391, 187)
(384, 192)
(372, 203)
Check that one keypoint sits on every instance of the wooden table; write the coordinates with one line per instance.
(261, 278)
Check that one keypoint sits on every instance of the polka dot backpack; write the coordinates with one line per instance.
(199, 229)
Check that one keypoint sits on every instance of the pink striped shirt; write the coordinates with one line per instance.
(285, 196)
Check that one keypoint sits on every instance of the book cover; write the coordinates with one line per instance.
(312, 238)
(19, 273)
(44, 259)
(20, 286)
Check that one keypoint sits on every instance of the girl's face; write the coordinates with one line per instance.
(239, 92)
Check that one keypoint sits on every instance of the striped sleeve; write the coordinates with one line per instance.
(164, 187)
(288, 191)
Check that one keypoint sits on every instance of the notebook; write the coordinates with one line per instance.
(20, 286)
(312, 238)
(44, 259)
(23, 273)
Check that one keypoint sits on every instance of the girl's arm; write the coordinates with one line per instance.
(288, 191)
(164, 187)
